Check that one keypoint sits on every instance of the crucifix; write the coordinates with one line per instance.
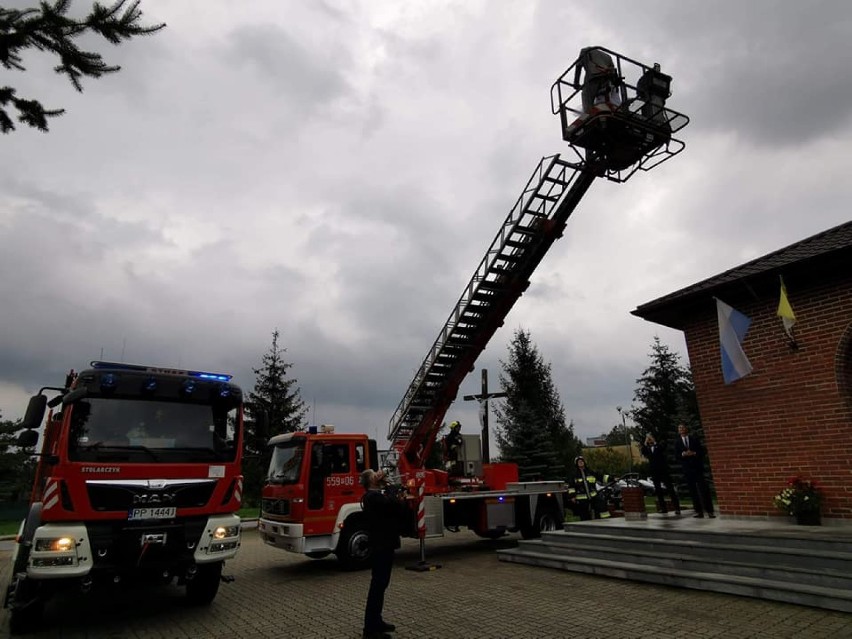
(483, 398)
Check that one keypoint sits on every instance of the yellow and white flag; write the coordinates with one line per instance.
(785, 311)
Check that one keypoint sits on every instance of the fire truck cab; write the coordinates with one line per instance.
(138, 478)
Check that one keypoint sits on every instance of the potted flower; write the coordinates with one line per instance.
(802, 499)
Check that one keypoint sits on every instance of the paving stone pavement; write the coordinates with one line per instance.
(473, 595)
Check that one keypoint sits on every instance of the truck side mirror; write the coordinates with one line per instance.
(27, 438)
(35, 412)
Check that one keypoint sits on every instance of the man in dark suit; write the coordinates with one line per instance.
(655, 453)
(690, 451)
(384, 519)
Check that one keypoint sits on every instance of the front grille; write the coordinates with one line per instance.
(275, 506)
(109, 496)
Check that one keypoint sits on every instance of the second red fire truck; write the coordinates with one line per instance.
(614, 116)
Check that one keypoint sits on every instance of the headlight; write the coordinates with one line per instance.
(60, 544)
(221, 532)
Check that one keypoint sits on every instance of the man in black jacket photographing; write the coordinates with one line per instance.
(384, 518)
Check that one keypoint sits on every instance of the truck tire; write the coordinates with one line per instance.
(353, 547)
(23, 594)
(28, 607)
(202, 588)
(491, 534)
(545, 521)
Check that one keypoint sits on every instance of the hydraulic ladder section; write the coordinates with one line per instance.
(614, 116)
(536, 220)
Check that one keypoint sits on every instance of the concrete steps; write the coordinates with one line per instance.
(800, 565)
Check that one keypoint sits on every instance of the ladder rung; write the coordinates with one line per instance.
(526, 230)
(510, 258)
(547, 198)
(516, 244)
(501, 271)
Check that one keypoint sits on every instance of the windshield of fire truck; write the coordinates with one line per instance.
(286, 463)
(138, 430)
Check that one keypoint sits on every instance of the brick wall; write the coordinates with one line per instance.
(793, 414)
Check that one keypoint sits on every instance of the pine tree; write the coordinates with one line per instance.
(17, 467)
(279, 397)
(665, 397)
(48, 28)
(276, 394)
(531, 429)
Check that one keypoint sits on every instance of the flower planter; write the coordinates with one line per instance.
(633, 500)
(811, 518)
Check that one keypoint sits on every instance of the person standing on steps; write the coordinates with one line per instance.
(655, 453)
(690, 451)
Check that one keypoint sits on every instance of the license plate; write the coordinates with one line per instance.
(152, 513)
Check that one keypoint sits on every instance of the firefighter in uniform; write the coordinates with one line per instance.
(584, 492)
(452, 445)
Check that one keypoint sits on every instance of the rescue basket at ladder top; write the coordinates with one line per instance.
(613, 113)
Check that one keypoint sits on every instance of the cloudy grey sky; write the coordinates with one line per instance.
(336, 170)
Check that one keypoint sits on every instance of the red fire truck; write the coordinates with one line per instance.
(614, 116)
(139, 477)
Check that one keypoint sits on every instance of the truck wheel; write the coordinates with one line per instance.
(491, 534)
(27, 607)
(545, 522)
(353, 547)
(202, 588)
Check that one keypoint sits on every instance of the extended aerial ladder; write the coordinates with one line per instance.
(614, 116)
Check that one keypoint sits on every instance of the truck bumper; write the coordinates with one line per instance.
(220, 540)
(60, 551)
(291, 537)
(69, 550)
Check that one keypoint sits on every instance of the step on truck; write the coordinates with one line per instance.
(615, 118)
(138, 479)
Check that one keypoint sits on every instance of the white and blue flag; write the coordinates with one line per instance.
(732, 329)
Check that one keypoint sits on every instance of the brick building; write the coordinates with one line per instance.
(793, 413)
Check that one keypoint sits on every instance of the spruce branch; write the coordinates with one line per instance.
(48, 28)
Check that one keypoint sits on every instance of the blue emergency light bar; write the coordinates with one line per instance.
(217, 377)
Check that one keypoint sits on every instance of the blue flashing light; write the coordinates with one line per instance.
(150, 385)
(216, 377)
(109, 382)
(501, 498)
(224, 391)
(188, 387)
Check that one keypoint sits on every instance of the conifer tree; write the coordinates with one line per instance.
(17, 466)
(277, 394)
(48, 28)
(664, 396)
(279, 397)
(531, 429)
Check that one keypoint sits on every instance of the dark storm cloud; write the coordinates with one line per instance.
(775, 75)
(336, 170)
(287, 67)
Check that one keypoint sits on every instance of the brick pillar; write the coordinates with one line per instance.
(633, 500)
